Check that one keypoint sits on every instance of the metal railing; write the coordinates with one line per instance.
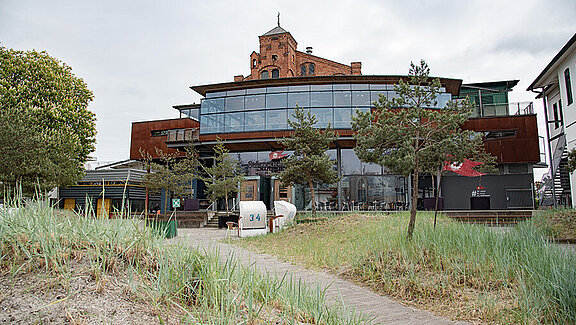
(489, 110)
(182, 135)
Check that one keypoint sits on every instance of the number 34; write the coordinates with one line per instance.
(252, 217)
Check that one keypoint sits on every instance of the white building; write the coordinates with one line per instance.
(556, 86)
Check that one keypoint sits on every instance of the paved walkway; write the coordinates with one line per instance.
(381, 308)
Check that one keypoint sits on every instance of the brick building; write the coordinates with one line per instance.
(251, 114)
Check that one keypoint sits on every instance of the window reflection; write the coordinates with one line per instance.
(234, 122)
(276, 100)
(276, 119)
(255, 121)
(342, 118)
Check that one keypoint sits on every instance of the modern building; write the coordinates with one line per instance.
(555, 86)
(251, 114)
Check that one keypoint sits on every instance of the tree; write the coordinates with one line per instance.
(309, 163)
(172, 174)
(223, 177)
(46, 129)
(410, 134)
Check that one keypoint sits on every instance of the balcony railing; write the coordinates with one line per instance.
(182, 135)
(489, 110)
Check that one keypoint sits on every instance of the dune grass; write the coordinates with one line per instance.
(459, 270)
(178, 283)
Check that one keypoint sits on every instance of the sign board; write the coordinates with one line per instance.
(175, 203)
(252, 220)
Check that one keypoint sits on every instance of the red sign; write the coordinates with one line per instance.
(465, 168)
(277, 155)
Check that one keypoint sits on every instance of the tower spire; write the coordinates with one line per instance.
(278, 18)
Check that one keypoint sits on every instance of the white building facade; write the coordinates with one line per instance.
(556, 86)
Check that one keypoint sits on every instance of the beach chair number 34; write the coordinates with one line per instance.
(252, 216)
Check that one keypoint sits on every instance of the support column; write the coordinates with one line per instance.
(339, 169)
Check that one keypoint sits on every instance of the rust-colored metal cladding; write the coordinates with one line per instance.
(511, 139)
(149, 135)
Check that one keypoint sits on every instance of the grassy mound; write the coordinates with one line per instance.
(458, 270)
(102, 270)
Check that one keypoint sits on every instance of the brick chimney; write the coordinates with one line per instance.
(238, 78)
(356, 68)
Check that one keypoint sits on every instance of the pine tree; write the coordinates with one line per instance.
(309, 163)
(410, 135)
(223, 178)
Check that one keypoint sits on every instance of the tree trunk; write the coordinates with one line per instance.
(312, 197)
(439, 177)
(166, 194)
(414, 204)
(226, 198)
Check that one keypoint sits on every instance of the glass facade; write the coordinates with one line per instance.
(268, 108)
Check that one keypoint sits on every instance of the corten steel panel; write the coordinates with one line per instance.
(142, 135)
(524, 147)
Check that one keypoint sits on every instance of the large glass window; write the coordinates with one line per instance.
(342, 118)
(255, 102)
(351, 165)
(215, 105)
(276, 100)
(234, 104)
(342, 98)
(298, 99)
(234, 122)
(276, 119)
(255, 121)
(321, 99)
(375, 95)
(324, 116)
(361, 98)
(212, 123)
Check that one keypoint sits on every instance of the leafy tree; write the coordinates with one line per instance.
(169, 173)
(223, 178)
(310, 163)
(46, 129)
(410, 135)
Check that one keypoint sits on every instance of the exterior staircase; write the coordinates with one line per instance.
(557, 179)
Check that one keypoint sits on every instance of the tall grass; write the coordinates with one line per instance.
(466, 271)
(173, 280)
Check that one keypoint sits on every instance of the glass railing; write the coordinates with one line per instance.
(489, 110)
(182, 135)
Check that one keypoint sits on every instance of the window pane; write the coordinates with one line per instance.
(361, 98)
(276, 100)
(320, 87)
(303, 70)
(234, 122)
(298, 88)
(234, 103)
(276, 119)
(341, 86)
(255, 121)
(342, 118)
(298, 99)
(342, 98)
(255, 102)
(236, 92)
(311, 69)
(351, 165)
(215, 105)
(360, 86)
(212, 123)
(324, 116)
(216, 94)
(375, 95)
(275, 74)
(277, 89)
(264, 75)
(255, 91)
(321, 99)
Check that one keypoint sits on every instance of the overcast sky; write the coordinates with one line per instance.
(140, 57)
